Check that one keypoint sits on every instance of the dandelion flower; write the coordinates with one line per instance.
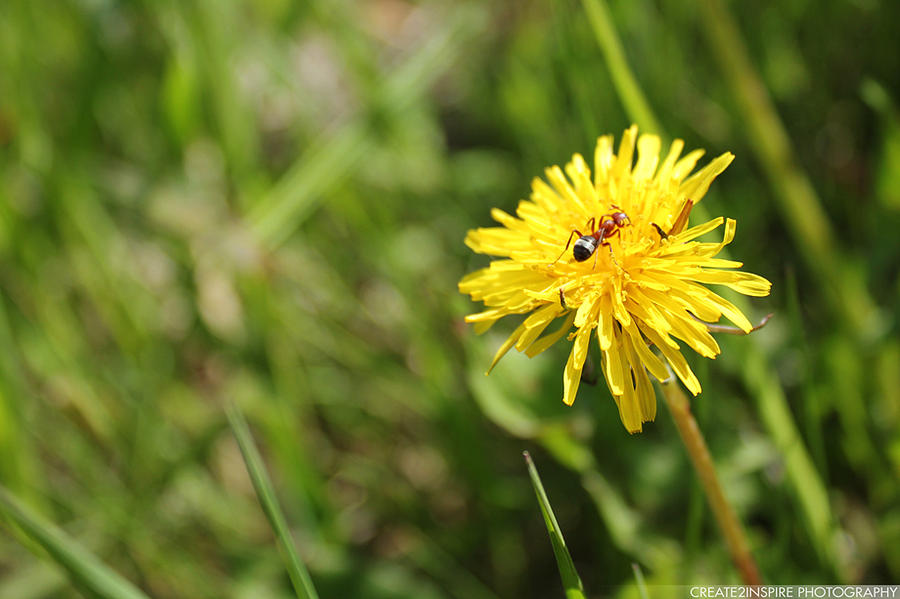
(644, 285)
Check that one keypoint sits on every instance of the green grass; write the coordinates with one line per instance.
(266, 202)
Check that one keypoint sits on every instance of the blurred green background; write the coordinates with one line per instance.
(265, 202)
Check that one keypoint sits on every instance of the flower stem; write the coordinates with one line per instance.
(626, 84)
(699, 453)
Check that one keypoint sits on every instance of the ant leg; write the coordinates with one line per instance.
(609, 245)
(662, 234)
(562, 299)
(568, 243)
(680, 221)
(590, 224)
(611, 254)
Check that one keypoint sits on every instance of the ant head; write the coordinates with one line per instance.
(620, 218)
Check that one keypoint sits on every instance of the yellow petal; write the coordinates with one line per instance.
(698, 184)
(730, 311)
(665, 171)
(536, 323)
(558, 180)
(544, 196)
(625, 153)
(695, 232)
(580, 176)
(612, 367)
(686, 165)
(548, 340)
(505, 219)
(645, 355)
(618, 305)
(694, 334)
(648, 157)
(682, 325)
(695, 303)
(603, 160)
(629, 411)
(572, 375)
(643, 397)
(487, 315)
(642, 303)
(587, 311)
(484, 325)
(605, 331)
(510, 341)
(668, 305)
(742, 282)
(646, 397)
(676, 361)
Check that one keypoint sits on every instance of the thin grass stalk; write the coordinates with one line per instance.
(265, 492)
(572, 584)
(639, 581)
(796, 197)
(699, 453)
(623, 79)
(82, 566)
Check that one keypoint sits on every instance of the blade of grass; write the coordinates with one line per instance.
(795, 195)
(626, 85)
(623, 523)
(639, 580)
(265, 492)
(83, 567)
(571, 581)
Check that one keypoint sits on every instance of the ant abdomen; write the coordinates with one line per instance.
(584, 248)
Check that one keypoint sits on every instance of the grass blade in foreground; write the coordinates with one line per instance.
(82, 565)
(571, 581)
(303, 585)
(639, 580)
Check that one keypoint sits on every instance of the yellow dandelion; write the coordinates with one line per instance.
(635, 273)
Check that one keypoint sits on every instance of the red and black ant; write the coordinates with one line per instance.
(586, 245)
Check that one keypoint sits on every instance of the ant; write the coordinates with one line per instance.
(586, 245)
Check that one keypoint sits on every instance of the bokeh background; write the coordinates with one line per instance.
(265, 202)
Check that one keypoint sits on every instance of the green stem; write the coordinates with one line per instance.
(626, 85)
(265, 492)
(699, 453)
(796, 198)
